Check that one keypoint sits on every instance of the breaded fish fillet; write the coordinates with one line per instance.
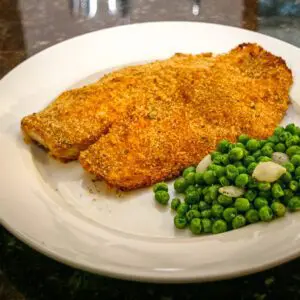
(182, 113)
(79, 117)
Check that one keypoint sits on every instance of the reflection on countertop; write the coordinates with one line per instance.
(29, 26)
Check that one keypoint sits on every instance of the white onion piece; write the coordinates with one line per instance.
(231, 191)
(268, 171)
(204, 163)
(280, 158)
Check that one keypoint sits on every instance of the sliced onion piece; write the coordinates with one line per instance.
(231, 191)
(204, 163)
(268, 171)
(280, 158)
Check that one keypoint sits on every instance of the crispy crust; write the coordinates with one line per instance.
(244, 91)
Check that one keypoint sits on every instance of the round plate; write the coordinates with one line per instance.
(58, 210)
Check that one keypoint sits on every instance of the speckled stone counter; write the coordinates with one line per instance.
(29, 26)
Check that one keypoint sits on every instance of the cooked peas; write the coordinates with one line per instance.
(224, 181)
(289, 166)
(252, 216)
(270, 145)
(278, 209)
(192, 197)
(242, 204)
(278, 131)
(207, 198)
(162, 197)
(257, 154)
(191, 214)
(180, 222)
(294, 203)
(206, 213)
(260, 202)
(238, 222)
(265, 194)
(215, 154)
(288, 194)
(190, 178)
(229, 214)
(206, 225)
(242, 170)
(265, 213)
(293, 140)
(180, 185)
(199, 178)
(219, 226)
(264, 186)
(266, 151)
(252, 184)
(248, 160)
(203, 206)
(231, 172)
(284, 136)
(213, 192)
(220, 171)
(188, 170)
(236, 154)
(209, 177)
(291, 128)
(295, 160)
(250, 195)
(273, 139)
(161, 186)
(223, 146)
(182, 209)
(287, 177)
(175, 203)
(251, 167)
(294, 185)
(243, 138)
(191, 188)
(241, 180)
(297, 172)
(225, 159)
(264, 159)
(253, 145)
(280, 147)
(293, 150)
(195, 226)
(194, 207)
(224, 200)
(217, 210)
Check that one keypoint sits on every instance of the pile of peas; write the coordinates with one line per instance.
(205, 210)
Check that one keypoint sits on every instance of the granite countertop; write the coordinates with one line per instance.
(29, 26)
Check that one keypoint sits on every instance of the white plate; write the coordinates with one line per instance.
(57, 209)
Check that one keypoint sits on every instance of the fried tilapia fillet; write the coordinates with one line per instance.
(145, 124)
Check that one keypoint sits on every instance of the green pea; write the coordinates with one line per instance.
(242, 204)
(215, 154)
(180, 185)
(250, 195)
(262, 143)
(196, 226)
(161, 186)
(264, 159)
(194, 207)
(224, 181)
(291, 128)
(182, 209)
(219, 226)
(293, 140)
(248, 160)
(265, 194)
(273, 139)
(231, 172)
(284, 136)
(269, 145)
(260, 202)
(162, 197)
(294, 185)
(207, 198)
(209, 177)
(217, 210)
(288, 194)
(229, 214)
(287, 177)
(253, 145)
(191, 169)
(294, 203)
(252, 184)
(199, 178)
(236, 154)
(243, 138)
(175, 203)
(203, 205)
(265, 213)
(264, 186)
(293, 150)
(257, 154)
(278, 131)
(190, 178)
(206, 213)
(242, 170)
(289, 166)
(192, 197)
(278, 209)
(213, 191)
(238, 164)
(191, 188)
(252, 216)
(199, 190)
(224, 200)
(280, 147)
(191, 214)
(238, 222)
(297, 130)
(297, 172)
(225, 159)
(295, 160)
(267, 151)
(251, 167)
(241, 180)
(180, 222)
(219, 170)
(218, 160)
(206, 225)
(240, 145)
